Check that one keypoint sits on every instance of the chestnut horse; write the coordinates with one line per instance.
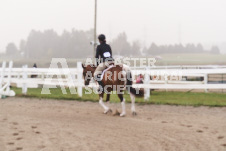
(114, 78)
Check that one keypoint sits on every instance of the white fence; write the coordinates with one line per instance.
(171, 77)
(5, 82)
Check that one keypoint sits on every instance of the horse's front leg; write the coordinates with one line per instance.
(123, 101)
(132, 96)
(106, 109)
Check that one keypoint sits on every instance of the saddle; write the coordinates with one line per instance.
(111, 65)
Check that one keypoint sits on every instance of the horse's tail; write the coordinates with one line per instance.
(130, 89)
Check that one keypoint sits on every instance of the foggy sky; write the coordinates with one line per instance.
(159, 21)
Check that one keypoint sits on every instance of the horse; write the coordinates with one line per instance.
(114, 78)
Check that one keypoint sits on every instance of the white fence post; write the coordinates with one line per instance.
(5, 90)
(166, 80)
(147, 82)
(9, 77)
(2, 75)
(24, 86)
(79, 78)
(206, 81)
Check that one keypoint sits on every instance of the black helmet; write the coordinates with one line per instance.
(101, 37)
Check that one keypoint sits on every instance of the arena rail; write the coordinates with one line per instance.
(154, 78)
(5, 81)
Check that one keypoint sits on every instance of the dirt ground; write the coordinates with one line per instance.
(50, 125)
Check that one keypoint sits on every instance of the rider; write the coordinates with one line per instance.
(104, 56)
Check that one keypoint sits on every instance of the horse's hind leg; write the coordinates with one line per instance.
(108, 98)
(106, 109)
(123, 101)
(133, 104)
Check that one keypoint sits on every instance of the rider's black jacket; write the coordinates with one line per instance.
(104, 52)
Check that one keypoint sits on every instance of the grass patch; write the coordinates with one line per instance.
(169, 98)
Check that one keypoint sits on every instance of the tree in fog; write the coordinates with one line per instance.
(11, 49)
(145, 51)
(152, 50)
(120, 45)
(199, 48)
(176, 48)
(22, 47)
(76, 44)
(80, 43)
(215, 50)
(34, 44)
(190, 48)
(47, 44)
(135, 48)
(179, 48)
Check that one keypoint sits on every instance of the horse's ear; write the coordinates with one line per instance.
(83, 66)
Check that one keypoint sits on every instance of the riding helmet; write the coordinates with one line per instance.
(101, 37)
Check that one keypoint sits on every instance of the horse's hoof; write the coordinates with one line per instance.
(108, 111)
(116, 113)
(134, 113)
(123, 114)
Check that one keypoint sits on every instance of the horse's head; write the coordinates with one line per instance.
(88, 71)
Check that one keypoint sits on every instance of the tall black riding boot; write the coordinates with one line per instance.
(101, 87)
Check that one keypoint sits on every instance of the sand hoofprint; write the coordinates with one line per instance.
(50, 125)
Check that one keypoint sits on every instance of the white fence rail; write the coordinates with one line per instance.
(21, 77)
